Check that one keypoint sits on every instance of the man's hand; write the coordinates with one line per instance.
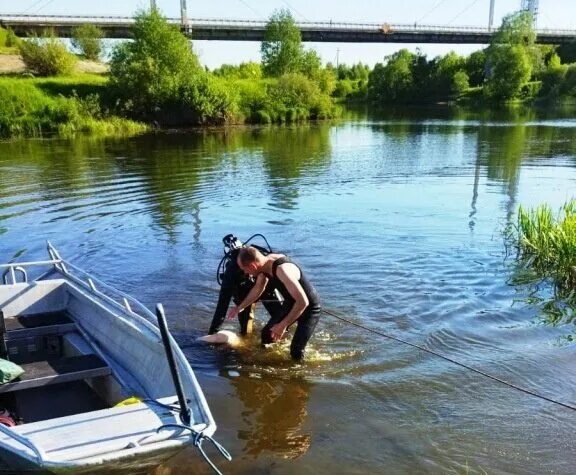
(277, 331)
(233, 312)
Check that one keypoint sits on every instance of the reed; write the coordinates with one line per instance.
(547, 244)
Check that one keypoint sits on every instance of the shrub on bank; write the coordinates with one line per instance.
(88, 40)
(46, 56)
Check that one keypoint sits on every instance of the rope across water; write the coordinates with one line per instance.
(432, 352)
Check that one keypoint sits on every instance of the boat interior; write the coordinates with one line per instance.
(63, 375)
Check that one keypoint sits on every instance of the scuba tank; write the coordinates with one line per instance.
(231, 247)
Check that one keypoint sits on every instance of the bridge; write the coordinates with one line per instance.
(242, 30)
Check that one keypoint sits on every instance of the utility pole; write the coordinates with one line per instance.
(337, 57)
(153, 5)
(491, 17)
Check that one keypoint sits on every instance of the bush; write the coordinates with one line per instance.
(88, 40)
(460, 83)
(344, 88)
(11, 39)
(295, 92)
(552, 79)
(158, 77)
(530, 90)
(568, 85)
(46, 56)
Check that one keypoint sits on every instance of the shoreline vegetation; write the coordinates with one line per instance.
(546, 251)
(149, 86)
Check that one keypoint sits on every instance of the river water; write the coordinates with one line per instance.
(397, 218)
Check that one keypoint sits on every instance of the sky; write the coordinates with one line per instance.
(558, 14)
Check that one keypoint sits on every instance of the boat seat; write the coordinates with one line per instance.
(61, 370)
(25, 326)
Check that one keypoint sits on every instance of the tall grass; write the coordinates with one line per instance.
(547, 244)
(35, 107)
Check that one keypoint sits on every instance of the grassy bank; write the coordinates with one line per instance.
(63, 105)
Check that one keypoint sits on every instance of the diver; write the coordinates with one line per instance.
(301, 304)
(236, 285)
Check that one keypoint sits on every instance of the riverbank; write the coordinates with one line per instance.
(65, 106)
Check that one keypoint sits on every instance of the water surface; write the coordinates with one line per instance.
(397, 218)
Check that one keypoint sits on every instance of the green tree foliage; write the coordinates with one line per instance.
(516, 29)
(282, 48)
(357, 71)
(460, 83)
(475, 68)
(394, 81)
(296, 97)
(567, 52)
(249, 70)
(88, 40)
(158, 77)
(510, 70)
(310, 63)
(511, 57)
(443, 72)
(46, 56)
(568, 84)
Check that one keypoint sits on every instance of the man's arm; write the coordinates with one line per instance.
(253, 295)
(289, 275)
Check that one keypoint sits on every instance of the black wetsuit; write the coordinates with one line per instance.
(236, 285)
(306, 322)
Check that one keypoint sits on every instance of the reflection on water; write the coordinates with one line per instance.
(396, 216)
(274, 414)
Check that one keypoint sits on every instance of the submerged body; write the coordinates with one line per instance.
(222, 337)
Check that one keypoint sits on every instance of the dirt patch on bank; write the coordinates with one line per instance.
(12, 63)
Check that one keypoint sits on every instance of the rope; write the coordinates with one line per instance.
(470, 368)
(199, 437)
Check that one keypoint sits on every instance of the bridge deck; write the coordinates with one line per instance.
(240, 30)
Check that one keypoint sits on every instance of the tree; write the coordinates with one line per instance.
(567, 52)
(475, 67)
(88, 40)
(516, 29)
(444, 69)
(310, 64)
(510, 70)
(460, 82)
(511, 57)
(395, 80)
(281, 49)
(150, 71)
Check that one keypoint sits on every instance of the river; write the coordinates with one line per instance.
(398, 219)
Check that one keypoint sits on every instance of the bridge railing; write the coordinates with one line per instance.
(384, 27)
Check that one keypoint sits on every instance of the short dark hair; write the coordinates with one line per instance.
(247, 255)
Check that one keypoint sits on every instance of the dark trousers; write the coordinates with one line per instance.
(305, 326)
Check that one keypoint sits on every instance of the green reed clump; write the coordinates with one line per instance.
(547, 245)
